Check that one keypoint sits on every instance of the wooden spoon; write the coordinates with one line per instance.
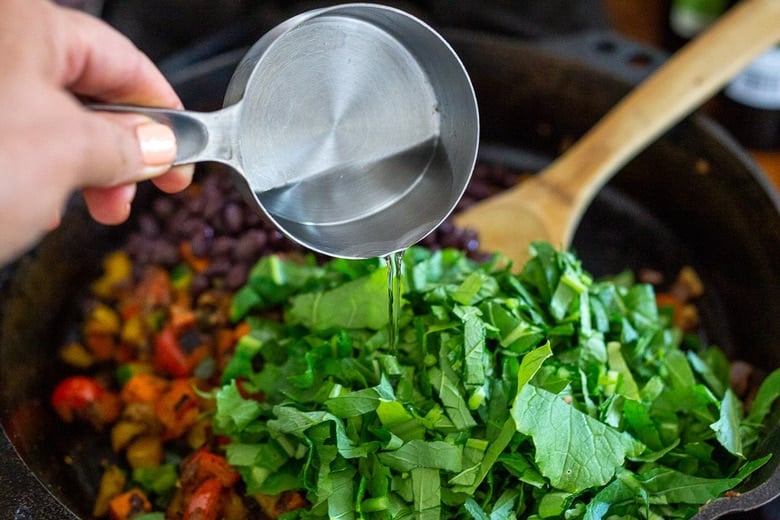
(549, 205)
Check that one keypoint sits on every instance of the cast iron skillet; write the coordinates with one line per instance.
(693, 198)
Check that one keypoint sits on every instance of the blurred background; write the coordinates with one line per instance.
(161, 27)
(173, 30)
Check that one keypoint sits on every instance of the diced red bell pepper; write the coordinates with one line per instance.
(74, 394)
(204, 464)
(206, 502)
(82, 396)
(169, 357)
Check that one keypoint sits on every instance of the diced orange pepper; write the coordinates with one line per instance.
(102, 346)
(129, 309)
(241, 330)
(128, 505)
(196, 263)
(124, 353)
(177, 409)
(276, 505)
(670, 300)
(106, 410)
(181, 318)
(154, 289)
(290, 501)
(143, 388)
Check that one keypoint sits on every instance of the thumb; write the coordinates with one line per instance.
(123, 148)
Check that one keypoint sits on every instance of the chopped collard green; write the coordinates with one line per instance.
(544, 394)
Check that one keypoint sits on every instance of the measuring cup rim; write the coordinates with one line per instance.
(416, 30)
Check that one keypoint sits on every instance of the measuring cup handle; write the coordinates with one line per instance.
(200, 136)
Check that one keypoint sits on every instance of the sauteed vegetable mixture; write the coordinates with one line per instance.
(273, 393)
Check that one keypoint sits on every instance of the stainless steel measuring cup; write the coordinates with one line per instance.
(354, 128)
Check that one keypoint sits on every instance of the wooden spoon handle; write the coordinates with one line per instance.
(683, 83)
(550, 205)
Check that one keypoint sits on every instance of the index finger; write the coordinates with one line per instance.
(101, 63)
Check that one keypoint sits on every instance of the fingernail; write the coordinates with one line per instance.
(54, 223)
(158, 147)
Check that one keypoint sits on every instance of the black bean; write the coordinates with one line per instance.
(278, 241)
(148, 225)
(191, 227)
(200, 282)
(178, 220)
(225, 181)
(429, 240)
(200, 243)
(211, 183)
(217, 223)
(446, 227)
(223, 246)
(163, 207)
(196, 205)
(233, 217)
(452, 239)
(165, 253)
(142, 256)
(236, 276)
(134, 244)
(480, 189)
(252, 217)
(213, 206)
(218, 267)
(465, 202)
(250, 244)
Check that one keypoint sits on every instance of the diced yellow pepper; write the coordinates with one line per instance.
(102, 319)
(145, 452)
(234, 508)
(117, 269)
(111, 485)
(199, 434)
(124, 432)
(77, 355)
(134, 331)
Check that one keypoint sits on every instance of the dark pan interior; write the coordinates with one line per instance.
(693, 198)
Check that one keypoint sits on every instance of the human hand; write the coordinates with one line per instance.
(50, 145)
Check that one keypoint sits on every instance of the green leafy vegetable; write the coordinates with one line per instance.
(541, 394)
(584, 452)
